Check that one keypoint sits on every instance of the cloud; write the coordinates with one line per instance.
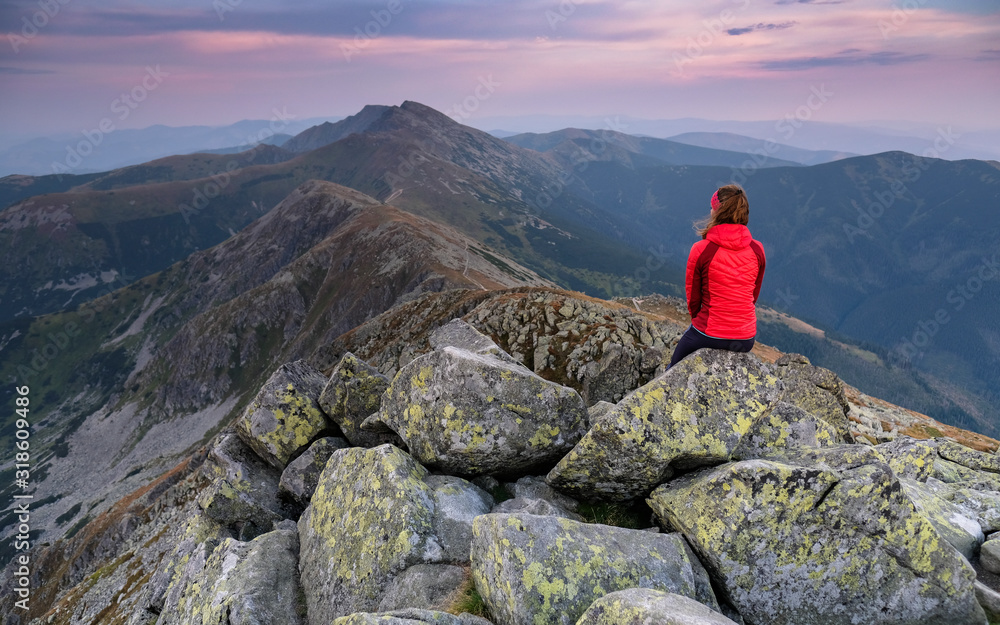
(989, 55)
(810, 1)
(760, 26)
(19, 70)
(845, 58)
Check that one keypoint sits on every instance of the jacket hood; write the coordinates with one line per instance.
(730, 236)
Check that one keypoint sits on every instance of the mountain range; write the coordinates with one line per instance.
(145, 305)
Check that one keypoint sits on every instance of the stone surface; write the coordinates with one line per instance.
(784, 427)
(693, 415)
(459, 334)
(243, 583)
(456, 503)
(644, 606)
(909, 457)
(422, 586)
(952, 522)
(370, 519)
(989, 556)
(539, 507)
(410, 617)
(299, 479)
(816, 390)
(243, 493)
(352, 394)
(473, 414)
(285, 418)
(544, 569)
(970, 458)
(811, 545)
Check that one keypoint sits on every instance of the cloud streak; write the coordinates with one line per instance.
(846, 58)
(761, 26)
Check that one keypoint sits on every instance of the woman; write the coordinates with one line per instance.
(724, 272)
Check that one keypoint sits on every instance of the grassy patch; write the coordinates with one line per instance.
(466, 599)
(631, 516)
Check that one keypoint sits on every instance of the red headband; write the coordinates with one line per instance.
(715, 201)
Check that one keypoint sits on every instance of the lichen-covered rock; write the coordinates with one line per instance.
(243, 494)
(645, 606)
(299, 479)
(458, 333)
(989, 556)
(970, 458)
(810, 545)
(370, 519)
(983, 505)
(353, 393)
(544, 569)
(909, 457)
(284, 417)
(410, 617)
(456, 503)
(184, 565)
(475, 414)
(785, 426)
(693, 415)
(252, 583)
(598, 412)
(952, 522)
(533, 496)
(422, 586)
(816, 390)
(540, 507)
(989, 599)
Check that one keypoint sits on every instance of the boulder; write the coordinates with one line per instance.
(693, 415)
(459, 334)
(989, 556)
(371, 518)
(545, 569)
(983, 505)
(243, 583)
(538, 507)
(970, 458)
(784, 427)
(910, 457)
(989, 599)
(184, 564)
(422, 586)
(474, 414)
(952, 522)
(456, 503)
(644, 606)
(813, 545)
(352, 394)
(299, 479)
(243, 493)
(285, 418)
(816, 390)
(411, 617)
(533, 496)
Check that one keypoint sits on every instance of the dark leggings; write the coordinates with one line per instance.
(694, 340)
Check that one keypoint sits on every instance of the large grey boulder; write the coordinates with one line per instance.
(784, 427)
(693, 415)
(645, 606)
(352, 394)
(243, 583)
(243, 492)
(811, 545)
(458, 333)
(285, 418)
(456, 503)
(473, 414)
(299, 479)
(951, 521)
(816, 390)
(184, 565)
(546, 569)
(989, 556)
(410, 617)
(371, 518)
(422, 586)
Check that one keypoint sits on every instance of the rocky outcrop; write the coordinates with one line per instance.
(410, 617)
(547, 569)
(354, 393)
(811, 544)
(693, 415)
(285, 417)
(299, 479)
(473, 413)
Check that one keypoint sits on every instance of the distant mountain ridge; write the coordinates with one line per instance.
(740, 143)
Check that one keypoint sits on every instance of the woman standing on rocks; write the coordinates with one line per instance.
(724, 272)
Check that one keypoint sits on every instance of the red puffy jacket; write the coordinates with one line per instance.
(724, 272)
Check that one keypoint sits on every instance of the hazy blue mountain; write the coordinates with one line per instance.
(740, 143)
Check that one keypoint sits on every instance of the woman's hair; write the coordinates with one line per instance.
(733, 209)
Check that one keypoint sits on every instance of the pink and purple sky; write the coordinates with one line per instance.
(66, 64)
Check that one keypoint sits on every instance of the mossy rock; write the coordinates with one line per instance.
(693, 415)
(644, 606)
(548, 570)
(810, 545)
(473, 414)
(353, 393)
